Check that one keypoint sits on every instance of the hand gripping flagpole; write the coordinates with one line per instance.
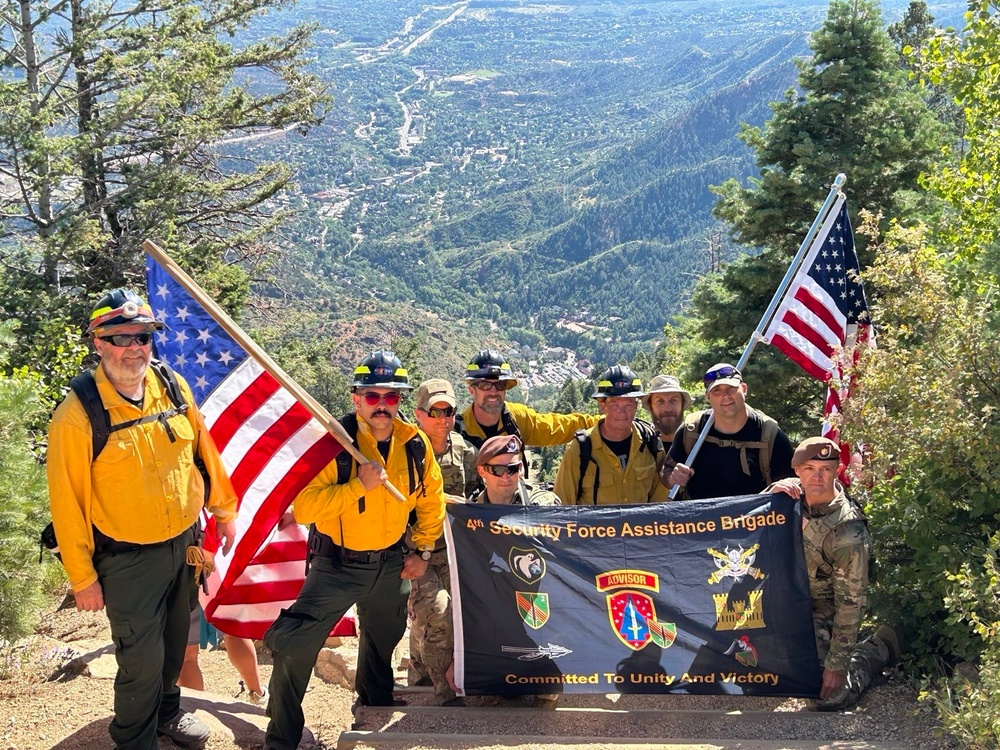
(250, 346)
(765, 321)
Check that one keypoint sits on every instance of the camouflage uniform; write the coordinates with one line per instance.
(431, 629)
(837, 546)
(525, 495)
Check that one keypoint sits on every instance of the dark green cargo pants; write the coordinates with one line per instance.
(147, 594)
(296, 637)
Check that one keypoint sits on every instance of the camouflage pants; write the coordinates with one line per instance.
(431, 629)
(868, 659)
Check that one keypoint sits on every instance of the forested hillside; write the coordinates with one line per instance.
(554, 161)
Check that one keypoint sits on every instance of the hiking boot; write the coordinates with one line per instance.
(456, 702)
(545, 702)
(185, 730)
(887, 634)
(258, 699)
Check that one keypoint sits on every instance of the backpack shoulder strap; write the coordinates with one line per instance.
(583, 438)
(768, 433)
(416, 461)
(693, 425)
(85, 388)
(169, 379)
(509, 425)
(650, 438)
(344, 459)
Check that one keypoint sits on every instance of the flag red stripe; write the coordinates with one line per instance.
(257, 593)
(793, 353)
(237, 412)
(818, 308)
(255, 629)
(807, 332)
(277, 552)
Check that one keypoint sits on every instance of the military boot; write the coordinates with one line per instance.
(887, 635)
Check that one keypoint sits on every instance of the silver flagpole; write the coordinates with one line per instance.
(765, 321)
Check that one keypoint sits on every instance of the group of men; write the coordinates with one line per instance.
(125, 513)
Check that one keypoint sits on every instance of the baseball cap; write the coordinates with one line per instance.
(721, 374)
(433, 391)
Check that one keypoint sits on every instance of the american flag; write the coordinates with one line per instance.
(270, 445)
(823, 318)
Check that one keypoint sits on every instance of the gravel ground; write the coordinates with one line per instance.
(72, 712)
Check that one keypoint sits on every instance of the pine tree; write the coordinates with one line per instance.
(114, 122)
(853, 113)
(22, 513)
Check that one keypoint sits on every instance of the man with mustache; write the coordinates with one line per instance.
(357, 550)
(744, 450)
(124, 518)
(666, 403)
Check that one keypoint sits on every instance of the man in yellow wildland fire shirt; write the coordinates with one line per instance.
(488, 378)
(357, 549)
(125, 518)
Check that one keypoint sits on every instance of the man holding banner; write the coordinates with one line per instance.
(838, 552)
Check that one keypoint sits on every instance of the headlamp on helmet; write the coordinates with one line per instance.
(381, 369)
(121, 307)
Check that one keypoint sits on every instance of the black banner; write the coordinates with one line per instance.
(709, 596)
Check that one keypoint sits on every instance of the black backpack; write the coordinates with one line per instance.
(85, 388)
(650, 440)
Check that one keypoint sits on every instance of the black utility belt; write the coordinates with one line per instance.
(321, 544)
(104, 543)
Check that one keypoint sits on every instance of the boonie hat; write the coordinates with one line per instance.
(815, 449)
(500, 445)
(721, 374)
(666, 384)
(434, 391)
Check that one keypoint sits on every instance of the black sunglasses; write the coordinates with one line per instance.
(499, 470)
(723, 372)
(436, 413)
(492, 385)
(127, 339)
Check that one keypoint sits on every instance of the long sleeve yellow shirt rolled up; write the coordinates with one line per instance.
(537, 429)
(335, 509)
(143, 488)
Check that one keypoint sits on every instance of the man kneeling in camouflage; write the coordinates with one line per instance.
(837, 549)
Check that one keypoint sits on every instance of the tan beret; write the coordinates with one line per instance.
(815, 449)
